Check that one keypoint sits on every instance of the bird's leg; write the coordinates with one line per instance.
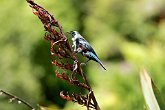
(85, 63)
(75, 50)
(73, 46)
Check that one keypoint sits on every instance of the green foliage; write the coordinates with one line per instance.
(158, 96)
(126, 35)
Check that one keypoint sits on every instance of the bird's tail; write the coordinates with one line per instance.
(98, 60)
(102, 65)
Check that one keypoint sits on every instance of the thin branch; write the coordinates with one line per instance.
(15, 98)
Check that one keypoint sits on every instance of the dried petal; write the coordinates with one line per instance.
(66, 77)
(75, 65)
(58, 75)
(66, 97)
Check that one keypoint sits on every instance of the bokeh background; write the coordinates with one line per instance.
(127, 35)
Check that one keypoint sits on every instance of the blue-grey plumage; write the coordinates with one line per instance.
(82, 46)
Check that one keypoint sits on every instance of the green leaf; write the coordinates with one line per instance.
(158, 96)
(148, 92)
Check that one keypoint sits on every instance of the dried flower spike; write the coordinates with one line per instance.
(61, 49)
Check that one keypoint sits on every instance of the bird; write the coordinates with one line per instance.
(80, 45)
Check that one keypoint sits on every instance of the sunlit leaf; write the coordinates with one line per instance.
(148, 92)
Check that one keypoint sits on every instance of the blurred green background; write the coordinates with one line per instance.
(127, 35)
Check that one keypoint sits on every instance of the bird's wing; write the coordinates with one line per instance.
(84, 44)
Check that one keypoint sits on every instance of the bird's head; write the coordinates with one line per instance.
(73, 33)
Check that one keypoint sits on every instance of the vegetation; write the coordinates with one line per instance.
(127, 35)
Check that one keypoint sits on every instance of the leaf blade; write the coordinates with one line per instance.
(148, 92)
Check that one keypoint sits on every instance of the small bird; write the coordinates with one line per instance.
(80, 45)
